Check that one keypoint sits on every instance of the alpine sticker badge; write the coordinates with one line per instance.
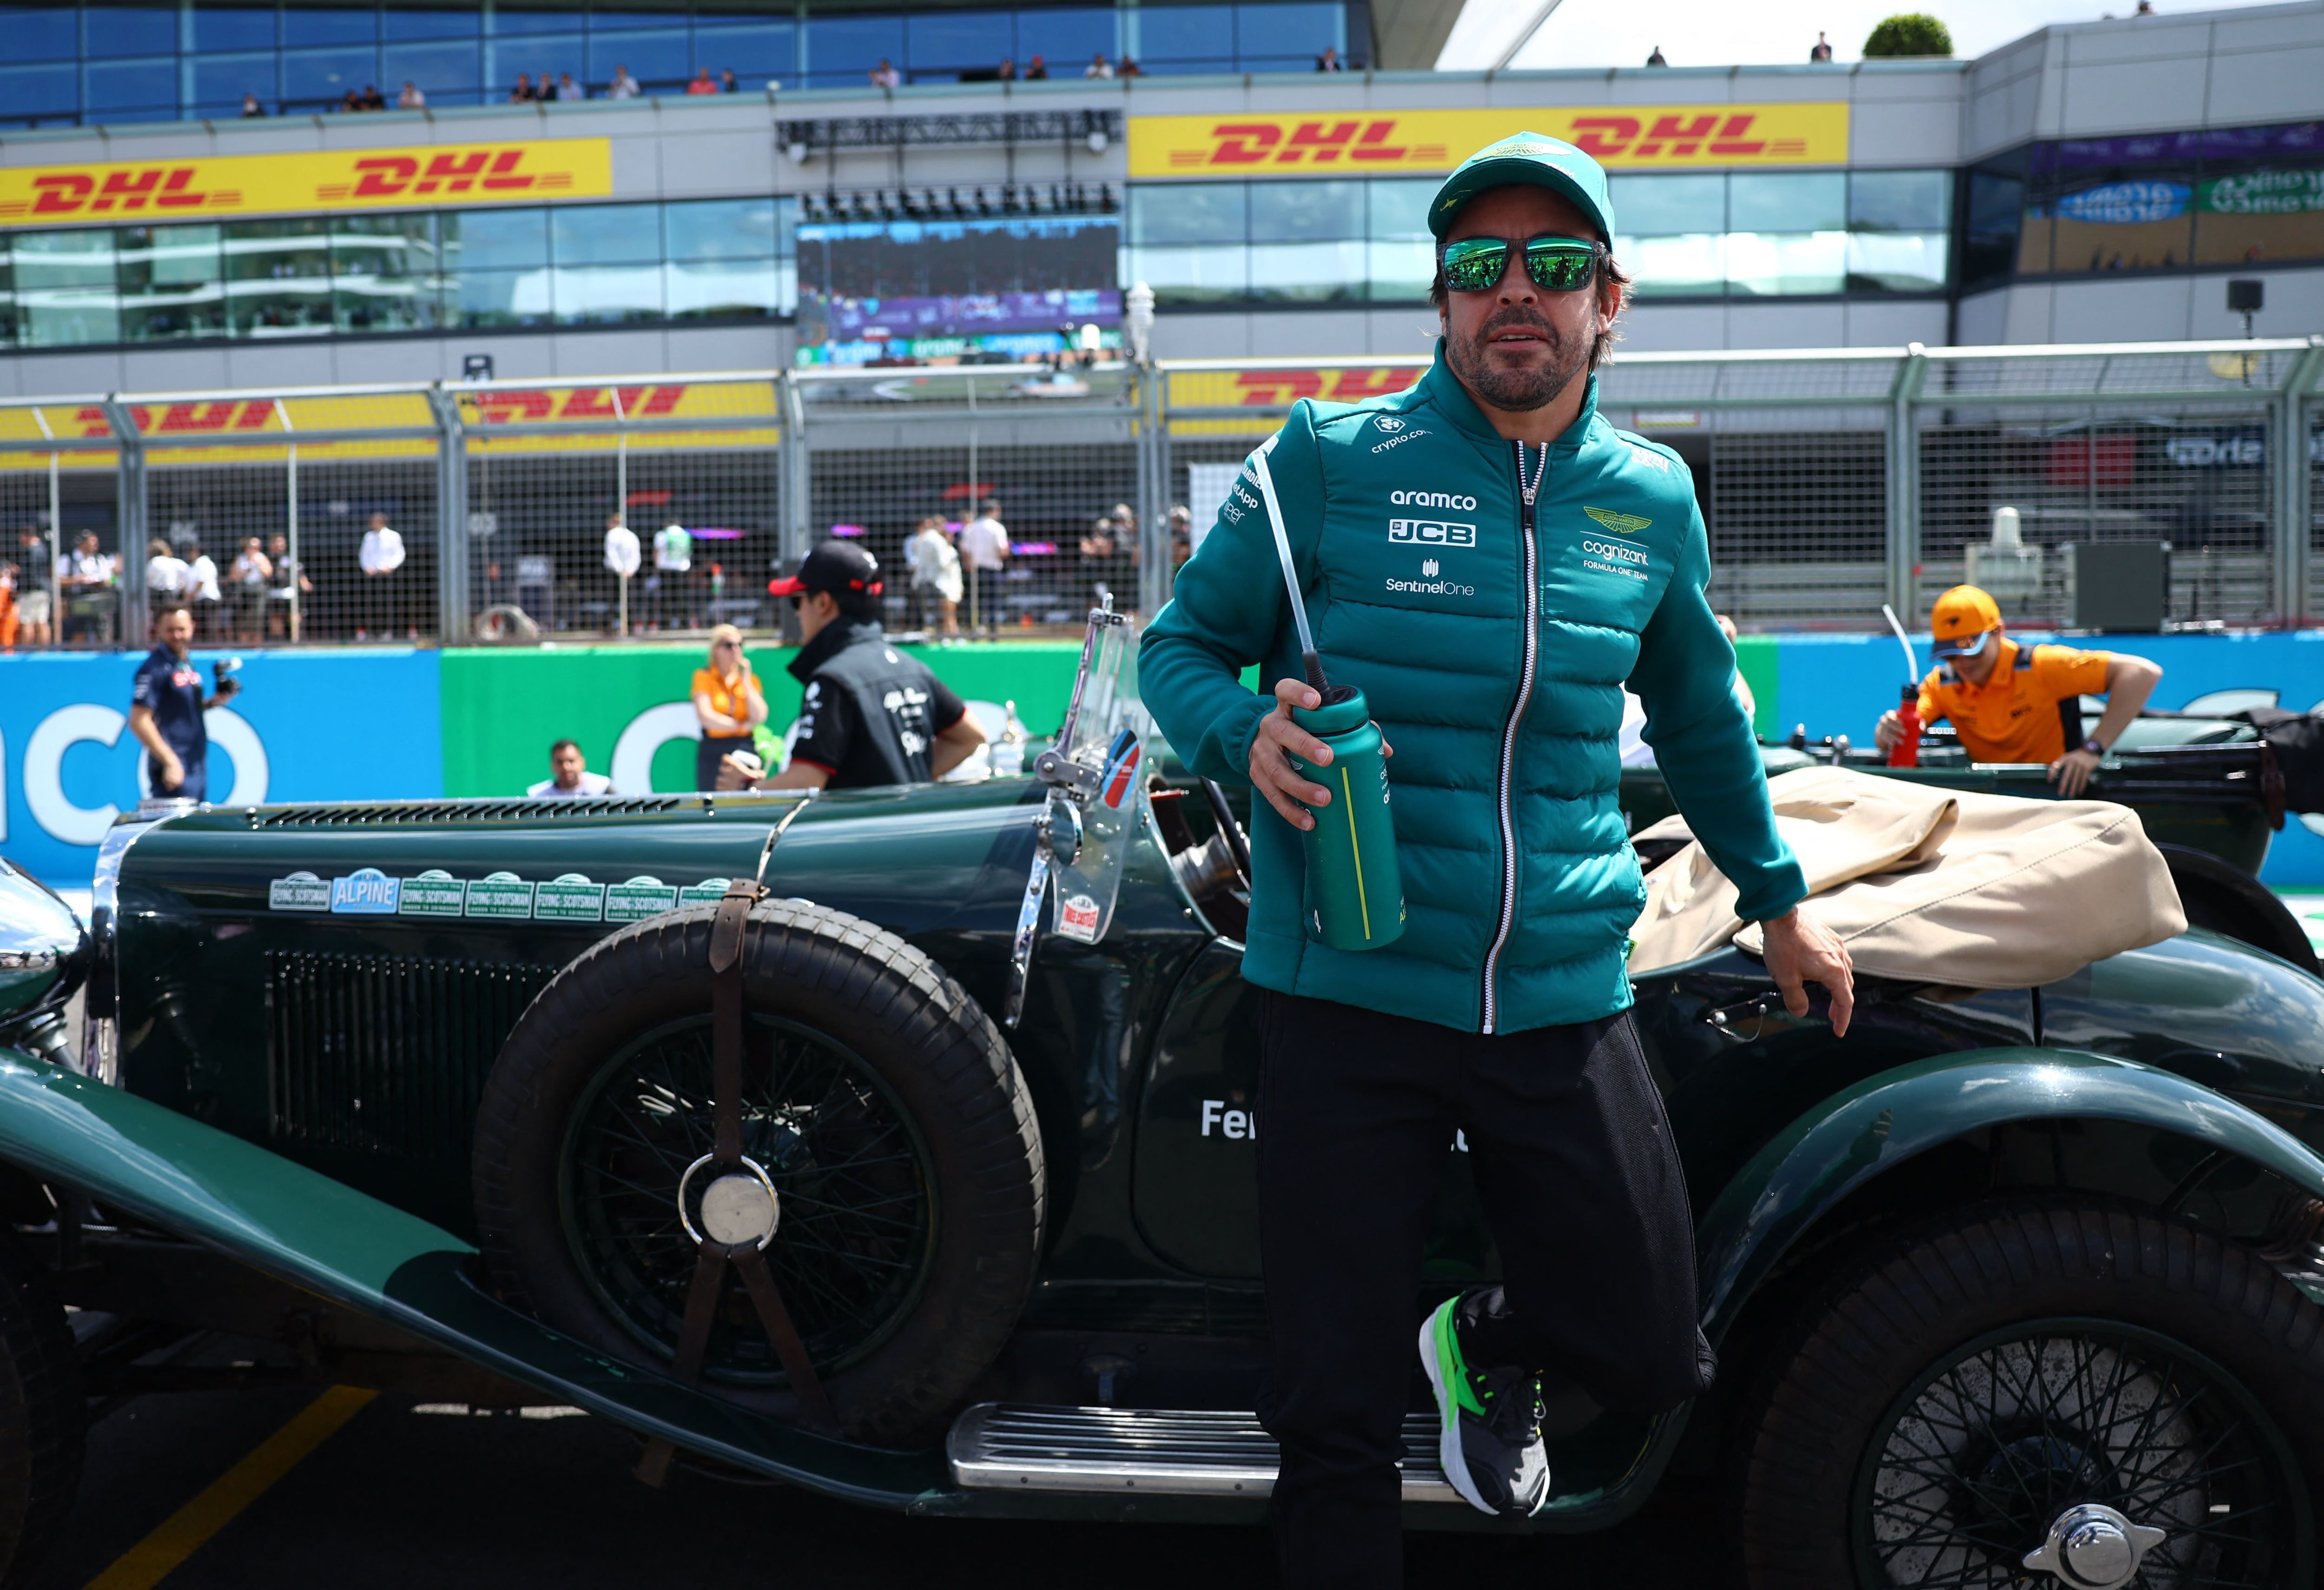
(365, 893)
(503, 896)
(298, 892)
(433, 893)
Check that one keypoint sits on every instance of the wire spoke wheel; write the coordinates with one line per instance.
(1972, 1466)
(852, 1180)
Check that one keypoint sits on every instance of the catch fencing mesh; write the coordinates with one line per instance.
(1829, 481)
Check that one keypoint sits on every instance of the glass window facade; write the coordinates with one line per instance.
(127, 63)
(2221, 198)
(1709, 234)
(379, 274)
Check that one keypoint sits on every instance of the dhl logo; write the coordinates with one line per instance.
(504, 407)
(257, 184)
(1678, 137)
(164, 188)
(1316, 142)
(1279, 389)
(197, 419)
(392, 176)
(1632, 136)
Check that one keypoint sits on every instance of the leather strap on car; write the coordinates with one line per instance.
(705, 1292)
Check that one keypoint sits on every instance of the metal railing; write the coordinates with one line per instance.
(1831, 482)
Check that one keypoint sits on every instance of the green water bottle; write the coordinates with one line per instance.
(1355, 892)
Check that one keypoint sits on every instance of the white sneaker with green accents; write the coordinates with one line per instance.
(1489, 1419)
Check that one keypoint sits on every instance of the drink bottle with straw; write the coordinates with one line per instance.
(1355, 893)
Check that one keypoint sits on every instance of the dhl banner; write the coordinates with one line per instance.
(271, 184)
(1645, 137)
(1268, 392)
(253, 431)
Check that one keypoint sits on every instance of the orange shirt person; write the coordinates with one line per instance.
(2002, 698)
(728, 703)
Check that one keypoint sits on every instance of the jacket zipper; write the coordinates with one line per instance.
(1527, 491)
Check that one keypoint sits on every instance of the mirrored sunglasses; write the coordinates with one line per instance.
(1556, 264)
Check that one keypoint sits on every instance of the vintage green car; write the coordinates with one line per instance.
(925, 1177)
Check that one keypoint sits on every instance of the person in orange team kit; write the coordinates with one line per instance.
(2005, 699)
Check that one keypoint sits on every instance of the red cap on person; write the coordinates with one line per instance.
(835, 567)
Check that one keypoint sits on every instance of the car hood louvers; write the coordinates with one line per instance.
(378, 814)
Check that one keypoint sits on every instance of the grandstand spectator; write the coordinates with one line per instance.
(623, 86)
(1329, 62)
(411, 99)
(703, 82)
(1036, 70)
(932, 565)
(523, 93)
(286, 601)
(380, 558)
(168, 578)
(1099, 67)
(33, 607)
(1128, 68)
(248, 579)
(985, 553)
(250, 105)
(87, 585)
(203, 596)
(726, 83)
(1008, 72)
(567, 88)
(669, 594)
(885, 76)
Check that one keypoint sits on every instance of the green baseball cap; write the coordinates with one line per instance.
(1531, 158)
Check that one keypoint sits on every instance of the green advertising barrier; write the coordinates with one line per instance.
(628, 706)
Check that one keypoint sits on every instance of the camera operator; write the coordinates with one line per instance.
(871, 716)
(1490, 562)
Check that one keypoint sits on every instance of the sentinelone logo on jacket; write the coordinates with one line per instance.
(1359, 141)
(436, 175)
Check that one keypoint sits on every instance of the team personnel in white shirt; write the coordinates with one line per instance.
(985, 553)
(382, 556)
(569, 776)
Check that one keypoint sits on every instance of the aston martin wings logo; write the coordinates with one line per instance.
(1619, 524)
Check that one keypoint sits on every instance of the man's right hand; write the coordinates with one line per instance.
(1888, 730)
(172, 774)
(1278, 738)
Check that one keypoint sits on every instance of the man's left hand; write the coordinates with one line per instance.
(2071, 772)
(1801, 950)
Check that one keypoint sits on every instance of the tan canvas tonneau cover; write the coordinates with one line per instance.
(1972, 891)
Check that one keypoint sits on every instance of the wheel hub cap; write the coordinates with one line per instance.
(740, 1208)
(2092, 1547)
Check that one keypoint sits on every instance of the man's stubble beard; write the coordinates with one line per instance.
(1522, 389)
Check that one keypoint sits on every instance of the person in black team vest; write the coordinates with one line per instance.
(871, 716)
(166, 706)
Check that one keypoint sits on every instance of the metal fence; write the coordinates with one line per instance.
(1831, 482)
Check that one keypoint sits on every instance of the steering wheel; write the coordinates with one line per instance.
(1238, 845)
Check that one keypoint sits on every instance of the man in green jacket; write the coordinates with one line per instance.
(1491, 563)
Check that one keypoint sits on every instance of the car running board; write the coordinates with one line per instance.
(1166, 1452)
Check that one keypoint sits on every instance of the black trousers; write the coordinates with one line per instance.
(1582, 1193)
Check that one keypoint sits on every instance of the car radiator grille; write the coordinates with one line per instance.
(378, 814)
(383, 1054)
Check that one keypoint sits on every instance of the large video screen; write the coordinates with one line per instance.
(946, 291)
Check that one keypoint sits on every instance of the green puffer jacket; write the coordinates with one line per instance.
(1493, 643)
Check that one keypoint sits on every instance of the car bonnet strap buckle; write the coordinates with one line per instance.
(712, 1256)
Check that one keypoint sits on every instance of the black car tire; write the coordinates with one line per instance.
(1834, 1403)
(931, 1050)
(43, 1420)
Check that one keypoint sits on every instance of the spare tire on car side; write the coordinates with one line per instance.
(878, 1099)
